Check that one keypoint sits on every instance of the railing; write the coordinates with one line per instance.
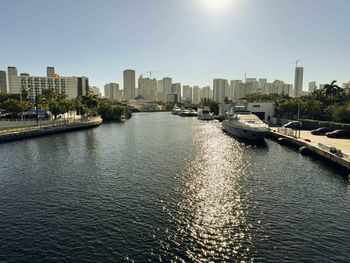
(289, 132)
(47, 125)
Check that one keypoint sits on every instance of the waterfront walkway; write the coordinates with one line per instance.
(334, 150)
(46, 127)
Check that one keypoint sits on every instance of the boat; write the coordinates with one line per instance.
(184, 113)
(176, 110)
(241, 123)
(192, 113)
(205, 114)
(188, 113)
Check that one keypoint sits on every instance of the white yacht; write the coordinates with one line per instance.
(176, 110)
(242, 123)
(205, 114)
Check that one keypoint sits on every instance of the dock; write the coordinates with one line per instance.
(47, 127)
(336, 151)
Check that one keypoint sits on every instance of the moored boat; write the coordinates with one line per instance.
(205, 114)
(243, 124)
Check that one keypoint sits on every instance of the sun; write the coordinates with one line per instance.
(216, 5)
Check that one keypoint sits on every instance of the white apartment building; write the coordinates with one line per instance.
(196, 94)
(112, 91)
(219, 89)
(205, 92)
(96, 91)
(187, 93)
(148, 88)
(277, 87)
(167, 82)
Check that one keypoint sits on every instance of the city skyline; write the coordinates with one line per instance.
(191, 41)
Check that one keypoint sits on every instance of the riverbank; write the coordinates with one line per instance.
(46, 128)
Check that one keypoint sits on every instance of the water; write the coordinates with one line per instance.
(170, 189)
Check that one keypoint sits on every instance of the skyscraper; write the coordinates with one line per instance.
(50, 71)
(312, 86)
(3, 83)
(148, 88)
(176, 88)
(196, 96)
(129, 84)
(219, 89)
(167, 85)
(187, 93)
(12, 72)
(298, 81)
(112, 91)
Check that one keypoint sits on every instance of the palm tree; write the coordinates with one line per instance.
(332, 89)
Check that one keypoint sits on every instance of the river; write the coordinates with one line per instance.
(162, 188)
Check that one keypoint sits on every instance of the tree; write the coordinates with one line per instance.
(15, 106)
(332, 89)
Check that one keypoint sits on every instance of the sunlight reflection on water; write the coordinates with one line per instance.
(211, 215)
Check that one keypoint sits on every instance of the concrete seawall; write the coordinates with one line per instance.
(11, 134)
(326, 152)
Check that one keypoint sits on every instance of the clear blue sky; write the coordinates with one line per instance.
(192, 41)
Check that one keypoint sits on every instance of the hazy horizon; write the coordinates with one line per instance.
(190, 41)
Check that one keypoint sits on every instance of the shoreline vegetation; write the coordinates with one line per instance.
(14, 106)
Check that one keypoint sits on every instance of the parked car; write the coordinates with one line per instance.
(295, 125)
(338, 134)
(322, 131)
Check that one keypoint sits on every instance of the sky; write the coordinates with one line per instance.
(192, 41)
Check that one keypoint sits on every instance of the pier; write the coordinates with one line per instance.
(26, 130)
(336, 151)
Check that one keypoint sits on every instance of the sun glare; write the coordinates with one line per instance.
(216, 6)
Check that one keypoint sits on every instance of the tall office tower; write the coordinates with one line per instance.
(187, 93)
(148, 88)
(129, 84)
(167, 82)
(196, 94)
(298, 81)
(12, 73)
(219, 89)
(50, 71)
(3, 82)
(205, 92)
(176, 88)
(112, 91)
(312, 86)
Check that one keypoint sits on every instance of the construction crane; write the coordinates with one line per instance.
(150, 71)
(296, 62)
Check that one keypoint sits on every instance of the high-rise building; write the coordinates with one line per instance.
(196, 94)
(278, 87)
(187, 93)
(11, 73)
(167, 82)
(176, 88)
(50, 72)
(298, 81)
(129, 84)
(205, 92)
(83, 85)
(148, 88)
(95, 90)
(312, 86)
(112, 91)
(237, 93)
(219, 89)
(160, 86)
(3, 82)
